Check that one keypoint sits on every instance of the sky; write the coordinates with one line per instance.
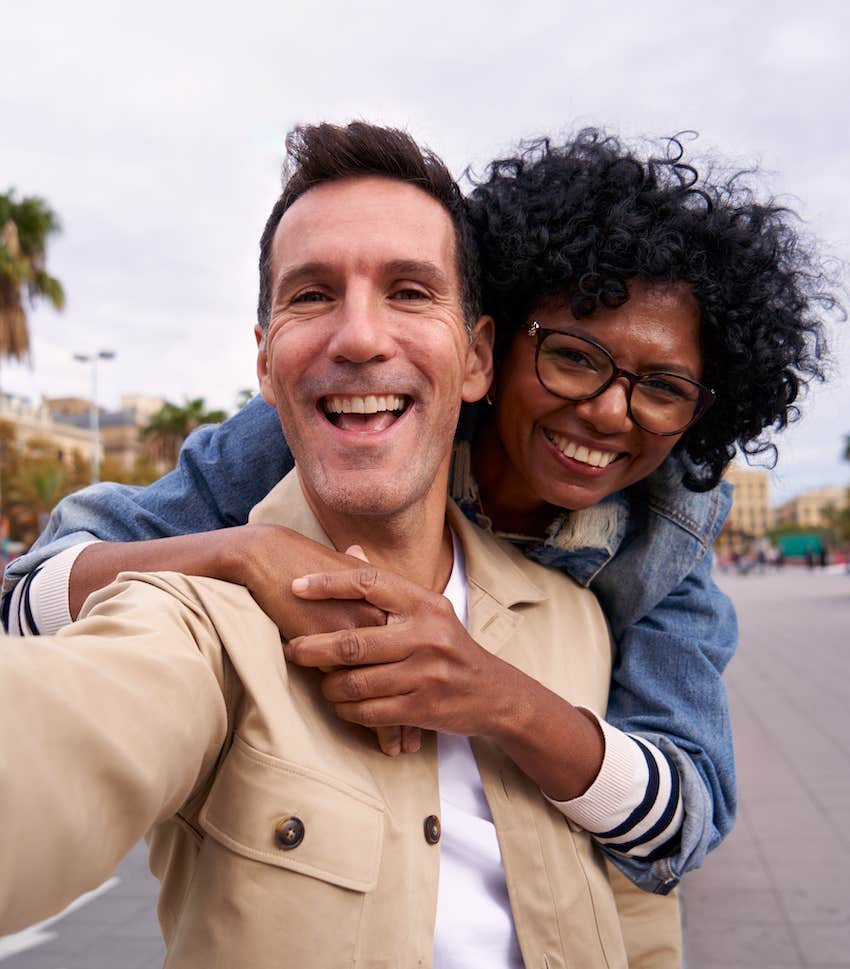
(156, 132)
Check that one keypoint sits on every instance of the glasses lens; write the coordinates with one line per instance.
(571, 367)
(664, 403)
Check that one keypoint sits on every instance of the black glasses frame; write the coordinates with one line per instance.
(706, 395)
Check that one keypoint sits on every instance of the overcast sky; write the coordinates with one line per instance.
(156, 131)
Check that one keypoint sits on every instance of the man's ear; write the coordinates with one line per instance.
(263, 366)
(479, 361)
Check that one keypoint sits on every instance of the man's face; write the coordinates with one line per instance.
(367, 358)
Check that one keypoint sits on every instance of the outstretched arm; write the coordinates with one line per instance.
(106, 729)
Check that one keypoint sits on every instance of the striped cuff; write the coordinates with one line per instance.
(39, 603)
(634, 805)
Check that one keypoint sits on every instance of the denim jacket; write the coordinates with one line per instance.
(645, 553)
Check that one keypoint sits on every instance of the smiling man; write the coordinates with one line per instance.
(281, 834)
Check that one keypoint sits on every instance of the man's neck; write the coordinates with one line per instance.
(414, 543)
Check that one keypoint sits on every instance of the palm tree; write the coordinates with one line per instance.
(24, 228)
(169, 427)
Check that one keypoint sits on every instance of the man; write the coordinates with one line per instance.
(280, 833)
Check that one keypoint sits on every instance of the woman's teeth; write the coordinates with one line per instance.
(370, 404)
(578, 452)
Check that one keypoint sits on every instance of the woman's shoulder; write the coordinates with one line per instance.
(664, 494)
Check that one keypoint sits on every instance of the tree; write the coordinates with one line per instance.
(24, 229)
(169, 427)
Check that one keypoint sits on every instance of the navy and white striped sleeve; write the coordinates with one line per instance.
(38, 605)
(634, 806)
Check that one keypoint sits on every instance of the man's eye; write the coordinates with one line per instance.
(310, 296)
(409, 293)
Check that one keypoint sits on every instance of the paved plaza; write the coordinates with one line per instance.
(774, 896)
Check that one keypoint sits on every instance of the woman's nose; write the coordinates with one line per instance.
(609, 412)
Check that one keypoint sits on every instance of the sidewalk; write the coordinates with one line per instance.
(776, 894)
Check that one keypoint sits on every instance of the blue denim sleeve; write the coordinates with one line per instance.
(667, 687)
(222, 472)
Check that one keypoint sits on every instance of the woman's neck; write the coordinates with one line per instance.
(504, 495)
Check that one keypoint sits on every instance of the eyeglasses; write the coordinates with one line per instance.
(575, 368)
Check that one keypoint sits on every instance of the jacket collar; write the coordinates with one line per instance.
(286, 505)
(491, 564)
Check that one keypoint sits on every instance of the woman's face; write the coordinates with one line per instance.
(656, 329)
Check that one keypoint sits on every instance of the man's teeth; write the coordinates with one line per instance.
(578, 452)
(370, 404)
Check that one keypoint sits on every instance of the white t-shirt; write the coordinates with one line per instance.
(475, 927)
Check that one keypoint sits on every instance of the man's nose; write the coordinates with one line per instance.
(362, 333)
(609, 412)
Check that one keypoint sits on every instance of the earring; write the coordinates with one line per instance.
(490, 399)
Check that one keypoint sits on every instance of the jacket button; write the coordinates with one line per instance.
(432, 829)
(289, 833)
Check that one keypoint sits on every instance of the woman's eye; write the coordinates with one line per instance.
(664, 387)
(568, 357)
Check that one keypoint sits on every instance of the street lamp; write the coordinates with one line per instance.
(94, 414)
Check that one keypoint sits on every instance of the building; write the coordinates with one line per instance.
(751, 515)
(808, 509)
(35, 422)
(120, 431)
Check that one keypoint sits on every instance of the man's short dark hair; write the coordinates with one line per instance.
(321, 153)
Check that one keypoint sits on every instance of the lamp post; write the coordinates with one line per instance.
(94, 414)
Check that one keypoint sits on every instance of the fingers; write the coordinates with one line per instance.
(383, 589)
(357, 552)
(369, 682)
(347, 647)
(390, 740)
(399, 740)
(411, 739)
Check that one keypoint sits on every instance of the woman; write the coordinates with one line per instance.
(647, 322)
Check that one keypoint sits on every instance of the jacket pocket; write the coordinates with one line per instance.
(296, 818)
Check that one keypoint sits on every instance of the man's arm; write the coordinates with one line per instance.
(222, 472)
(107, 729)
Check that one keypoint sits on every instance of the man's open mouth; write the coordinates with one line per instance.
(370, 413)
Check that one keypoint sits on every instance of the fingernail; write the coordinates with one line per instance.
(300, 585)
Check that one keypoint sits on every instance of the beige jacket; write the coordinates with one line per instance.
(170, 708)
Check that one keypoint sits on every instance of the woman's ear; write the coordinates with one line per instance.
(479, 360)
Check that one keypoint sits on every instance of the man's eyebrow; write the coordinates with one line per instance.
(299, 274)
(423, 270)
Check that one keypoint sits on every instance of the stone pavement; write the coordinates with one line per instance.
(773, 896)
(776, 894)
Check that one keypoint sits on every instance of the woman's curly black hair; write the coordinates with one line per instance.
(582, 219)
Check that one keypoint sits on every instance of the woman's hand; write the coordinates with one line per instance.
(266, 558)
(421, 668)
(274, 556)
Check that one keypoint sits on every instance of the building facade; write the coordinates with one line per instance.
(808, 510)
(751, 515)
